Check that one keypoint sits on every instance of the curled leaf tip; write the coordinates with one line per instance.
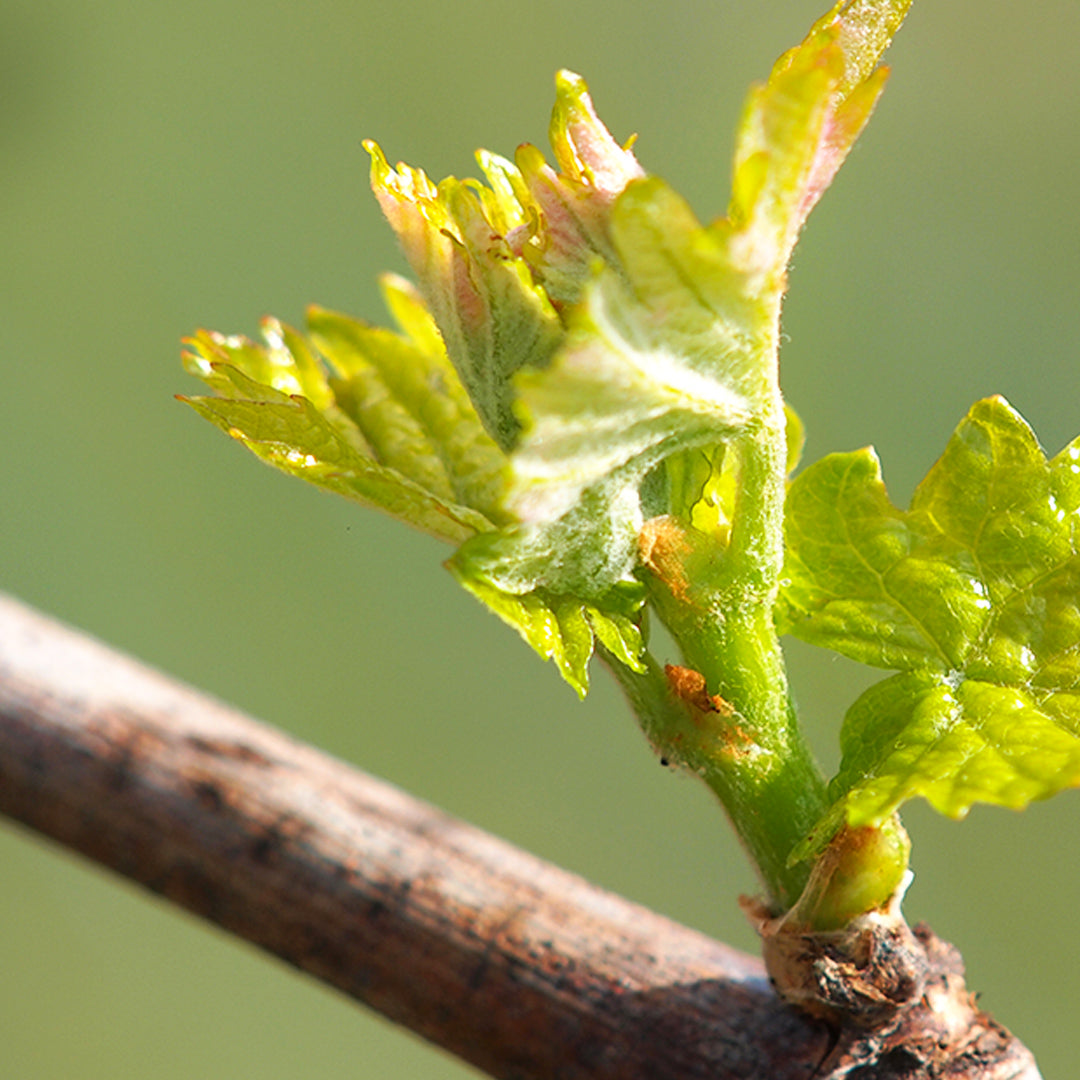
(798, 128)
(584, 148)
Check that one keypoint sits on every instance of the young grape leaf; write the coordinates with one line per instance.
(665, 353)
(702, 484)
(492, 316)
(672, 348)
(571, 207)
(385, 377)
(565, 628)
(401, 445)
(972, 595)
(798, 128)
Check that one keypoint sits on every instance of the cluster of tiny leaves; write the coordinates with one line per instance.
(374, 415)
(972, 596)
(576, 353)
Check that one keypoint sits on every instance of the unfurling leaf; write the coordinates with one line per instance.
(798, 127)
(392, 428)
(671, 351)
(493, 318)
(564, 628)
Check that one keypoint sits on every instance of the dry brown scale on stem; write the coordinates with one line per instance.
(894, 997)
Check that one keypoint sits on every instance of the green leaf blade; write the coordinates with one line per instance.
(991, 493)
(233, 364)
(562, 628)
(974, 596)
(845, 541)
(295, 438)
(414, 400)
(914, 736)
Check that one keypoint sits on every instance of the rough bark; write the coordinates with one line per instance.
(518, 967)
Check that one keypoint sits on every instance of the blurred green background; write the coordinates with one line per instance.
(173, 165)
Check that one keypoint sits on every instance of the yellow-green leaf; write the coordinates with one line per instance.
(973, 595)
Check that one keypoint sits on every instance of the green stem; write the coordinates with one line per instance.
(718, 602)
(728, 715)
(763, 770)
(771, 808)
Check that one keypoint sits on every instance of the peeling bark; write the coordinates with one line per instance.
(516, 966)
(893, 995)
